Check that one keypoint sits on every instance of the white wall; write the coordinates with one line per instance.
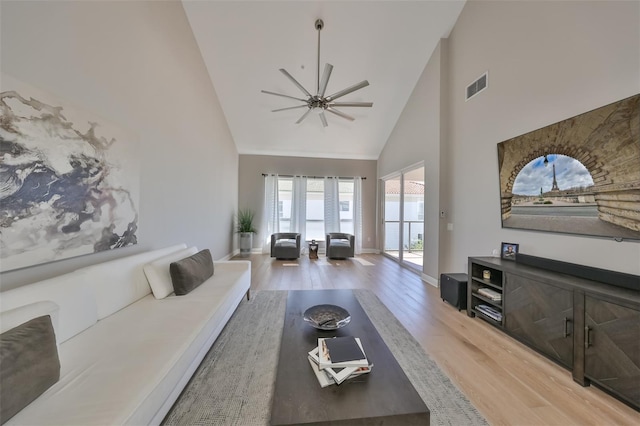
(137, 65)
(547, 61)
(417, 137)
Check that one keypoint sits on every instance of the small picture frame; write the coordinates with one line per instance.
(508, 251)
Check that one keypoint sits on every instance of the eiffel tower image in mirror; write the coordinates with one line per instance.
(554, 186)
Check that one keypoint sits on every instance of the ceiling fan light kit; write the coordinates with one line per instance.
(319, 102)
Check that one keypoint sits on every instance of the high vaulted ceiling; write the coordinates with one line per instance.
(245, 43)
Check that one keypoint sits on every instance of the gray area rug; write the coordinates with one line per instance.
(234, 384)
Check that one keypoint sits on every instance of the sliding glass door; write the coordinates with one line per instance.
(392, 234)
(404, 216)
(413, 217)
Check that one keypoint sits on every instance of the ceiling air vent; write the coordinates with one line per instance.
(477, 86)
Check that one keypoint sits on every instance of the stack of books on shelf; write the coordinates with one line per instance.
(490, 311)
(490, 294)
(338, 359)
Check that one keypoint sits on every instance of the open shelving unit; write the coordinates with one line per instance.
(478, 282)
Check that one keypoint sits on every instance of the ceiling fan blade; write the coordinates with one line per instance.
(340, 113)
(290, 77)
(284, 96)
(325, 79)
(351, 104)
(348, 90)
(294, 107)
(323, 119)
(303, 116)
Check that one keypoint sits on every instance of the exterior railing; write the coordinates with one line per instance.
(411, 244)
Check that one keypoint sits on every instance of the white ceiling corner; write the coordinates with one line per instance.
(244, 43)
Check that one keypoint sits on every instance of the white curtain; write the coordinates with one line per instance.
(299, 206)
(331, 205)
(271, 221)
(357, 213)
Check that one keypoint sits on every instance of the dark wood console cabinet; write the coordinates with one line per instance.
(612, 347)
(589, 327)
(541, 315)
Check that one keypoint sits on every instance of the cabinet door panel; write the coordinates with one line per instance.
(612, 357)
(541, 315)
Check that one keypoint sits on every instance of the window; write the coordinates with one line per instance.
(315, 209)
(314, 219)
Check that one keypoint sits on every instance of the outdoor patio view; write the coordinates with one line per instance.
(404, 199)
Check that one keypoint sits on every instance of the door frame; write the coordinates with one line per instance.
(400, 175)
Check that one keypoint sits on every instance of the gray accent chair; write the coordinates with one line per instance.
(340, 245)
(285, 245)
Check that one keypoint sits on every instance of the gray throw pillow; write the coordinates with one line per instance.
(189, 273)
(29, 364)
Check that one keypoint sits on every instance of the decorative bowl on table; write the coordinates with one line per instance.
(327, 317)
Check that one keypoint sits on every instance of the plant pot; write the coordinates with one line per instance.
(246, 243)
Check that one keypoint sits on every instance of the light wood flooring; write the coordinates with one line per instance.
(509, 383)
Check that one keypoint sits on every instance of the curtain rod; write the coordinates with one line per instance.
(312, 177)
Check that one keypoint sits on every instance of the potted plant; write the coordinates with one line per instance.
(245, 228)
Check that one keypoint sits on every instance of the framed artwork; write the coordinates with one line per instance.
(577, 176)
(71, 179)
(509, 250)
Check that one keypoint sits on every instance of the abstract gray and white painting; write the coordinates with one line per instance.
(69, 182)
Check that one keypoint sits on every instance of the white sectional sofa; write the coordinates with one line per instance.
(125, 356)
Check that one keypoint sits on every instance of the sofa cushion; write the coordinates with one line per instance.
(189, 273)
(119, 283)
(157, 272)
(29, 364)
(72, 292)
(14, 317)
(286, 243)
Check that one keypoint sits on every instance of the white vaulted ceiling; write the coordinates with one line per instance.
(245, 43)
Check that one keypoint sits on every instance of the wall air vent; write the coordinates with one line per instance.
(477, 86)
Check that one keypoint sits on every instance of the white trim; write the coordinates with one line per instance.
(229, 256)
(401, 171)
(237, 252)
(370, 251)
(280, 153)
(430, 280)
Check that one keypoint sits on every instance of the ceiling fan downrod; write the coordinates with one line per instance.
(319, 25)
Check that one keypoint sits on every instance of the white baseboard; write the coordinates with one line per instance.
(230, 255)
(370, 251)
(430, 280)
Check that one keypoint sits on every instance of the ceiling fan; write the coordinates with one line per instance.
(319, 102)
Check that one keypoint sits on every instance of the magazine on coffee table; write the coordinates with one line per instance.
(347, 352)
(335, 375)
(346, 373)
(323, 378)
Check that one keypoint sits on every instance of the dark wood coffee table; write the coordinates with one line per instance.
(383, 397)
